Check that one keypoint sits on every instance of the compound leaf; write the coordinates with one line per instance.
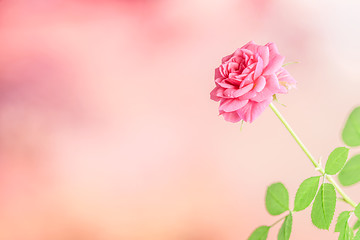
(336, 160)
(277, 199)
(323, 208)
(351, 131)
(260, 233)
(350, 174)
(285, 230)
(306, 193)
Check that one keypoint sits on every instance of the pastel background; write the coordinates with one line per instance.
(107, 131)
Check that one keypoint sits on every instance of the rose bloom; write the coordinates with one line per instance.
(247, 80)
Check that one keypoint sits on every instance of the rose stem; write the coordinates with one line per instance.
(308, 154)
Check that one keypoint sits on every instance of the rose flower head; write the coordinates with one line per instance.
(247, 80)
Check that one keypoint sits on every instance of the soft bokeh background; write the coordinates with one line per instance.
(107, 130)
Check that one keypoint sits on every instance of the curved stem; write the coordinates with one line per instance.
(312, 159)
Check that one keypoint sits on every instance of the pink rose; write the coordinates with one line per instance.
(247, 80)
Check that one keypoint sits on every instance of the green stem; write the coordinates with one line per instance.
(278, 221)
(308, 154)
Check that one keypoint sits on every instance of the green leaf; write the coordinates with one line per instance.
(357, 210)
(347, 233)
(356, 225)
(277, 199)
(351, 131)
(323, 208)
(336, 160)
(306, 193)
(350, 174)
(260, 233)
(285, 230)
(357, 236)
(342, 221)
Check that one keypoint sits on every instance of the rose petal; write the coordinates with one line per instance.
(229, 93)
(283, 90)
(275, 59)
(222, 83)
(274, 65)
(233, 81)
(232, 66)
(246, 45)
(217, 73)
(246, 52)
(249, 68)
(231, 105)
(286, 81)
(223, 71)
(216, 93)
(272, 87)
(252, 110)
(251, 94)
(272, 49)
(252, 46)
(264, 53)
(243, 90)
(238, 52)
(259, 68)
(260, 84)
(247, 80)
(226, 58)
(284, 76)
(231, 117)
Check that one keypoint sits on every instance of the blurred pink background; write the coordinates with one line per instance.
(107, 130)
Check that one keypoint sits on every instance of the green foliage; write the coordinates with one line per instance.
(277, 199)
(351, 131)
(357, 236)
(356, 225)
(336, 160)
(306, 193)
(324, 199)
(342, 221)
(357, 210)
(347, 233)
(342, 226)
(323, 209)
(285, 230)
(260, 233)
(350, 174)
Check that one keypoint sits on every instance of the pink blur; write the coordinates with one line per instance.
(107, 130)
